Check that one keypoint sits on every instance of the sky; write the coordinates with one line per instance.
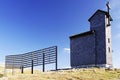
(28, 25)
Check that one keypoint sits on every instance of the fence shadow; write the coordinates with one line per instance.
(1, 75)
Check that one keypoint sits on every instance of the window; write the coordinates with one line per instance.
(108, 40)
(109, 49)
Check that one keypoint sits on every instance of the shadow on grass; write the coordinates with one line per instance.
(1, 75)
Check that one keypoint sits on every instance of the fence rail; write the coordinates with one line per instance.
(31, 59)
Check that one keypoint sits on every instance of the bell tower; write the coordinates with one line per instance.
(100, 22)
(108, 35)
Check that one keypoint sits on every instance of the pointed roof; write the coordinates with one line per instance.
(105, 12)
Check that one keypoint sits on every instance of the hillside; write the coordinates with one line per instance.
(74, 74)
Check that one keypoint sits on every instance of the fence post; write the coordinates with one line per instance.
(43, 62)
(22, 69)
(32, 68)
(56, 58)
(13, 66)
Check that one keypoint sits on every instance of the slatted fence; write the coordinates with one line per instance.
(31, 59)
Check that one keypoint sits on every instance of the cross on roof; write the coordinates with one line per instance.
(108, 6)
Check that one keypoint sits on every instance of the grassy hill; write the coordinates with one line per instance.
(74, 74)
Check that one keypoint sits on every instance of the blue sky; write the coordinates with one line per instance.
(28, 25)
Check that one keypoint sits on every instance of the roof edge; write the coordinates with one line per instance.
(83, 34)
(105, 12)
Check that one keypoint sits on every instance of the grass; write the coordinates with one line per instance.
(74, 74)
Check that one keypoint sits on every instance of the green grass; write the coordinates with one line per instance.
(74, 74)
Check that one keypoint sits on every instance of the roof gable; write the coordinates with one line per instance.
(104, 12)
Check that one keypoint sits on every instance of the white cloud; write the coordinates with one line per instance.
(67, 50)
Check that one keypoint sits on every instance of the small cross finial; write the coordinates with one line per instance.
(108, 6)
(108, 9)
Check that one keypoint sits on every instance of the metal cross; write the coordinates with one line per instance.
(108, 6)
(108, 9)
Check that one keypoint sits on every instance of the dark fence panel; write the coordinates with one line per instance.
(31, 59)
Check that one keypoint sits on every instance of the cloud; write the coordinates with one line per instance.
(67, 50)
